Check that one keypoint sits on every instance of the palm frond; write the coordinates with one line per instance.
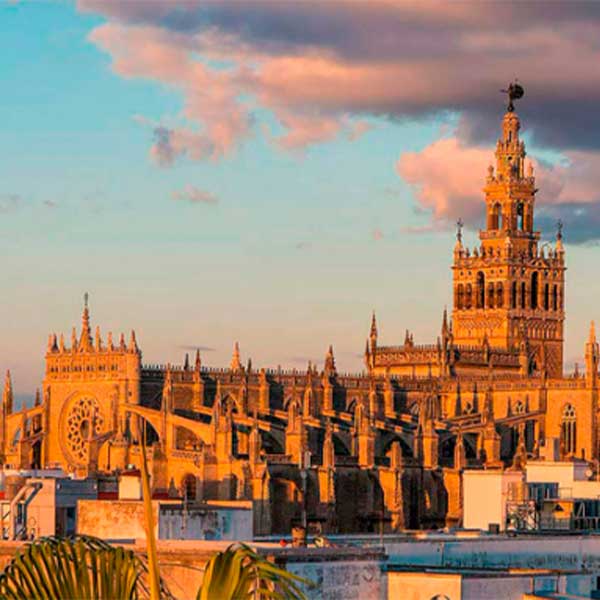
(239, 573)
(71, 568)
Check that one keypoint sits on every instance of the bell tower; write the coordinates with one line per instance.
(509, 291)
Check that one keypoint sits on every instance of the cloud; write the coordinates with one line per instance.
(377, 234)
(320, 67)
(194, 195)
(9, 203)
(448, 176)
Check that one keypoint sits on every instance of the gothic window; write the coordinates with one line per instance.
(460, 296)
(480, 290)
(546, 296)
(519, 407)
(554, 298)
(534, 290)
(469, 296)
(499, 295)
(520, 216)
(568, 430)
(496, 220)
(523, 294)
(514, 294)
(490, 295)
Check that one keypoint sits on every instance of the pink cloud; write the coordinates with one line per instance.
(448, 176)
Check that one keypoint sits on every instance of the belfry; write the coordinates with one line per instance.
(509, 291)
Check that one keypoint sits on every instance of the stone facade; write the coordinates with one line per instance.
(384, 448)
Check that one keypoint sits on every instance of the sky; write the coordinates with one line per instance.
(271, 173)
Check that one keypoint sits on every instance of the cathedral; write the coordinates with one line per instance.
(385, 448)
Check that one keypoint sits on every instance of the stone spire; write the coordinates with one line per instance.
(236, 364)
(7, 396)
(373, 335)
(329, 361)
(198, 363)
(85, 341)
(133, 347)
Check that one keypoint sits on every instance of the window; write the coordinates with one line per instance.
(534, 290)
(480, 290)
(490, 295)
(469, 296)
(546, 297)
(499, 295)
(514, 295)
(520, 216)
(523, 294)
(460, 296)
(568, 430)
(496, 217)
(555, 298)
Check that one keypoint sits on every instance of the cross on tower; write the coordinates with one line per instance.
(459, 226)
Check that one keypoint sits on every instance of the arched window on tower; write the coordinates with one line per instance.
(534, 290)
(568, 430)
(480, 290)
(469, 296)
(523, 294)
(490, 295)
(520, 216)
(546, 296)
(460, 292)
(496, 220)
(499, 295)
(513, 299)
(555, 298)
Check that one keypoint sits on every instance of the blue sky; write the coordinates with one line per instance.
(286, 261)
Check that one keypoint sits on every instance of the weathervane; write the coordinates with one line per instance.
(515, 91)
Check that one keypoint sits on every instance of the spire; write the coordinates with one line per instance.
(122, 345)
(330, 361)
(559, 237)
(373, 335)
(61, 345)
(592, 337)
(85, 342)
(7, 396)
(109, 341)
(186, 362)
(236, 364)
(38, 398)
(198, 362)
(445, 329)
(133, 347)
(98, 340)
(73, 339)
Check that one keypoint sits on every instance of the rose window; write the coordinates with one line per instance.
(84, 422)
